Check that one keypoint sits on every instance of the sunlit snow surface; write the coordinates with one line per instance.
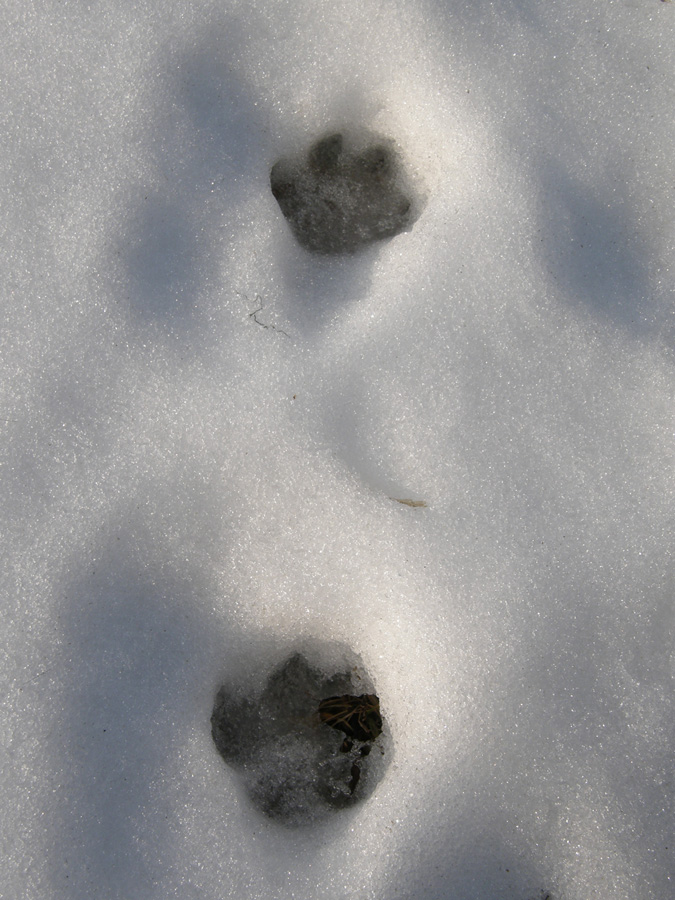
(189, 491)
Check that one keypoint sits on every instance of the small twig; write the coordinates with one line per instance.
(35, 677)
(254, 315)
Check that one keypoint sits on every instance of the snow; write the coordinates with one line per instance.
(204, 425)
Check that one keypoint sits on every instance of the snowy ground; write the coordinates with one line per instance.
(187, 494)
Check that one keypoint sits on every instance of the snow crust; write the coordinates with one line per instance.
(205, 430)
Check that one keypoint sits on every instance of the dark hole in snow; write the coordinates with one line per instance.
(346, 193)
(313, 741)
